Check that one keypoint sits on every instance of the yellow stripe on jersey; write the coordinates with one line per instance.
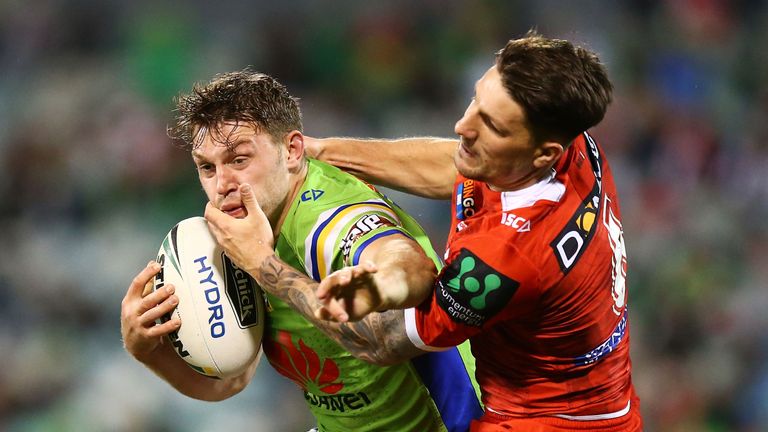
(321, 245)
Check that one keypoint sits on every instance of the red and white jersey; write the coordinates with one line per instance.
(536, 279)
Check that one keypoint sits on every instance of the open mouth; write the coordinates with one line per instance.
(236, 211)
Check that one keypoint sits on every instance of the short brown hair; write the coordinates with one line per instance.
(564, 90)
(243, 96)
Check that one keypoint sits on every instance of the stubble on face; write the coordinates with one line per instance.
(464, 157)
(272, 194)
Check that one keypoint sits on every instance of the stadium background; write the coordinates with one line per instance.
(90, 184)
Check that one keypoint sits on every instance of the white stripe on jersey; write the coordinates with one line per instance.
(593, 417)
(413, 332)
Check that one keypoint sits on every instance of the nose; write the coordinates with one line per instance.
(464, 126)
(226, 181)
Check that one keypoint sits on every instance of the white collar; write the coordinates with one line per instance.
(548, 188)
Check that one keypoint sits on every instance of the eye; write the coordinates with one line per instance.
(492, 127)
(241, 160)
(205, 168)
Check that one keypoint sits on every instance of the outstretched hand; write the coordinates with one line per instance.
(248, 240)
(349, 294)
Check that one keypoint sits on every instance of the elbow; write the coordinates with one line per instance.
(230, 390)
(386, 362)
(382, 359)
(210, 397)
(382, 354)
(219, 389)
(226, 388)
(420, 282)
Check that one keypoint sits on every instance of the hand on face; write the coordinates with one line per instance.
(141, 307)
(246, 241)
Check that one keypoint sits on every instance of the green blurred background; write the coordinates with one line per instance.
(90, 183)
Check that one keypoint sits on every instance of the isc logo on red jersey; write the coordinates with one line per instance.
(521, 224)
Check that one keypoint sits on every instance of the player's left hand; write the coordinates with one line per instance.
(246, 241)
(349, 294)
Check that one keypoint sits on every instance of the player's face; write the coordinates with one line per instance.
(252, 158)
(496, 145)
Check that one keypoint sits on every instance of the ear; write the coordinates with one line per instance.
(294, 150)
(547, 154)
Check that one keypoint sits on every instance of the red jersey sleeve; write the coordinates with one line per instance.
(485, 280)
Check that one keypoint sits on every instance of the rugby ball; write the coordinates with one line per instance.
(220, 306)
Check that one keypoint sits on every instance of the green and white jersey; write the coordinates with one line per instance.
(330, 222)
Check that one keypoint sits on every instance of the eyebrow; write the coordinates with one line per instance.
(197, 156)
(233, 147)
(488, 119)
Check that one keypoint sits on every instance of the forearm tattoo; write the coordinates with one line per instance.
(379, 338)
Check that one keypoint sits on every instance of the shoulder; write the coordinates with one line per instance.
(331, 212)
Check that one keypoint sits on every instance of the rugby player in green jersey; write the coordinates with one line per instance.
(244, 132)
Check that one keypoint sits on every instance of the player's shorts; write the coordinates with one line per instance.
(490, 422)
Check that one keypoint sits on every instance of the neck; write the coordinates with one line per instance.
(527, 180)
(296, 180)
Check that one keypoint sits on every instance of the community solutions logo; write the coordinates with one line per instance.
(471, 291)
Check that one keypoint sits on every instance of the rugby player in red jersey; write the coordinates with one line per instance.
(536, 264)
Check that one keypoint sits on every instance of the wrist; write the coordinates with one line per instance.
(257, 260)
(266, 269)
(151, 357)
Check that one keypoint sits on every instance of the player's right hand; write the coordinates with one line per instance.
(349, 294)
(140, 308)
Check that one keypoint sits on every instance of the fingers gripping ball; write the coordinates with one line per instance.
(220, 306)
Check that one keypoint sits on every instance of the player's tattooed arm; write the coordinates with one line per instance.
(379, 338)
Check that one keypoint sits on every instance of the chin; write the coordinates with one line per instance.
(461, 165)
(466, 170)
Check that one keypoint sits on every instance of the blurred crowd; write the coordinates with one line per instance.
(91, 184)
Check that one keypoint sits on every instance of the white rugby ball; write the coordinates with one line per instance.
(220, 306)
